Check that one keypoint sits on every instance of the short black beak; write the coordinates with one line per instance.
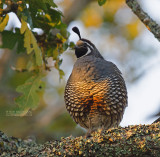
(75, 47)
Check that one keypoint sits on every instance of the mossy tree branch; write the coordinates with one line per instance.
(138, 140)
(144, 17)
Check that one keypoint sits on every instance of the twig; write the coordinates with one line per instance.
(144, 17)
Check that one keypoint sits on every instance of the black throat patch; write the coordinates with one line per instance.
(81, 51)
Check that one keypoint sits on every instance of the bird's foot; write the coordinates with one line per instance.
(88, 134)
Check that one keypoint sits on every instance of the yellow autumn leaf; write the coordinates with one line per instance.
(92, 16)
(1, 11)
(20, 8)
(4, 23)
(48, 17)
(30, 43)
(132, 29)
(27, 41)
(59, 36)
(52, 24)
(37, 51)
(23, 26)
(111, 7)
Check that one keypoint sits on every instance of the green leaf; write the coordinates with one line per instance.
(71, 44)
(30, 43)
(38, 5)
(14, 39)
(8, 43)
(26, 14)
(39, 18)
(57, 66)
(4, 23)
(29, 98)
(42, 4)
(20, 44)
(51, 3)
(101, 2)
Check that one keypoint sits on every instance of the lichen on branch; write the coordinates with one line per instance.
(144, 17)
(138, 140)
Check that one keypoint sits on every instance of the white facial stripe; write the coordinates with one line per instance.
(89, 46)
(89, 51)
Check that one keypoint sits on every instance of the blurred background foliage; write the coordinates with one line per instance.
(114, 29)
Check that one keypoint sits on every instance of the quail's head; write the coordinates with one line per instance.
(83, 46)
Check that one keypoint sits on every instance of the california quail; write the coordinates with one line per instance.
(95, 93)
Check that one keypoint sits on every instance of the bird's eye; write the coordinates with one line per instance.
(81, 50)
(85, 45)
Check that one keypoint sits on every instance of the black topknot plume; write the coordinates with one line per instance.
(76, 30)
